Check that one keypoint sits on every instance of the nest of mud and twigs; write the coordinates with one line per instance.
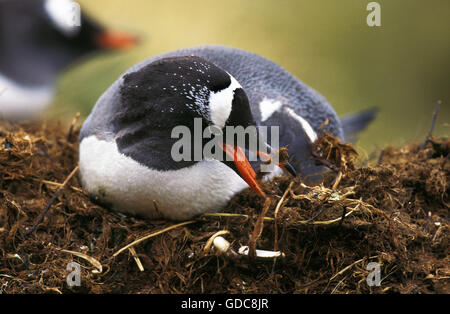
(394, 213)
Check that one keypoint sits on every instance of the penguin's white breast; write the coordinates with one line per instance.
(134, 188)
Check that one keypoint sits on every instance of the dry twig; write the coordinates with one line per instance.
(258, 229)
(72, 125)
(153, 234)
(433, 123)
(136, 258)
(44, 212)
(88, 258)
(277, 208)
(350, 266)
(211, 240)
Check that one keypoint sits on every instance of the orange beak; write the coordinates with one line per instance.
(116, 40)
(243, 167)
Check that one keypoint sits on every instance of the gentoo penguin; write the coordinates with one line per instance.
(126, 142)
(39, 39)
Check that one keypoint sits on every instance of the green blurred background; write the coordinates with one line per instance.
(401, 67)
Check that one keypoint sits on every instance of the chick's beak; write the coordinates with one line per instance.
(286, 166)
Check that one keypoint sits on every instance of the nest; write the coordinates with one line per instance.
(323, 238)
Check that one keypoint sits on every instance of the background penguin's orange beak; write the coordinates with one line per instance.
(116, 40)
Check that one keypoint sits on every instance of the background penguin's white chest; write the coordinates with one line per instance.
(18, 102)
(133, 188)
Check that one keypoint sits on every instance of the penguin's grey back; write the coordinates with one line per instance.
(260, 78)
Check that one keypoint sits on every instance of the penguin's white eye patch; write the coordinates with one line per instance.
(65, 16)
(220, 103)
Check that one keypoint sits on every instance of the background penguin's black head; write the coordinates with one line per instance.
(37, 41)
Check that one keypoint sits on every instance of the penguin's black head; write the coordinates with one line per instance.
(43, 36)
(190, 92)
(179, 89)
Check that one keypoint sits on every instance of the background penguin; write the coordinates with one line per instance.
(37, 42)
(275, 98)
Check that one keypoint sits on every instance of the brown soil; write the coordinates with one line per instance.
(396, 214)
